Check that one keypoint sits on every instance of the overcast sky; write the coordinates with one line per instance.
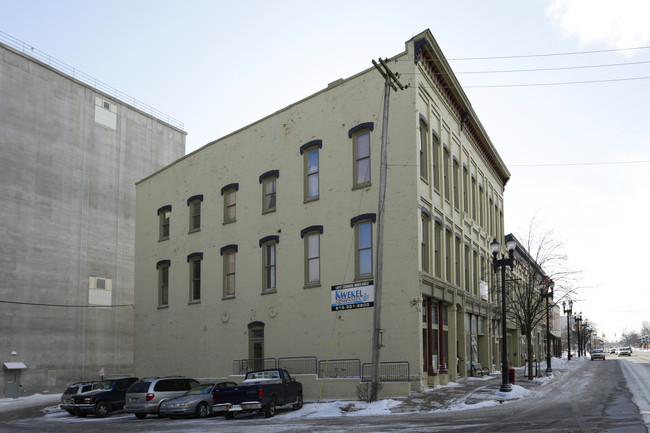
(573, 132)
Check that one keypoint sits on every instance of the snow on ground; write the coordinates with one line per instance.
(336, 408)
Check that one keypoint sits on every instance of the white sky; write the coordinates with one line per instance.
(578, 153)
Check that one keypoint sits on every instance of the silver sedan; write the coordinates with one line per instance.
(196, 402)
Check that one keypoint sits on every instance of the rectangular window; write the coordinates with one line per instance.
(195, 215)
(448, 257)
(230, 205)
(456, 175)
(445, 172)
(364, 249)
(438, 249)
(311, 174)
(473, 198)
(269, 277)
(163, 286)
(468, 266)
(229, 273)
(312, 265)
(424, 154)
(424, 243)
(362, 159)
(457, 263)
(481, 210)
(195, 279)
(436, 163)
(475, 274)
(269, 186)
(465, 186)
(164, 224)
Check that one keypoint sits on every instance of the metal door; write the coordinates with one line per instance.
(12, 383)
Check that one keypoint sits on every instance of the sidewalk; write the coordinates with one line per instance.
(473, 392)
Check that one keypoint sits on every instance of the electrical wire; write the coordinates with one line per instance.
(64, 305)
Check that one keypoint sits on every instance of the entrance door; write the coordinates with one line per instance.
(12, 383)
(256, 345)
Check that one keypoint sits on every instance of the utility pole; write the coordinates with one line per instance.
(392, 81)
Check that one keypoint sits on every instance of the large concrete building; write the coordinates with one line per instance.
(71, 154)
(262, 244)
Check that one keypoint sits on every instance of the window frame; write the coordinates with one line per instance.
(163, 283)
(312, 232)
(194, 205)
(194, 261)
(230, 191)
(424, 149)
(308, 149)
(354, 134)
(436, 160)
(357, 223)
(164, 222)
(227, 252)
(425, 230)
(269, 178)
(269, 244)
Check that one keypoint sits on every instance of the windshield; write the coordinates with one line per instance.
(105, 384)
(203, 388)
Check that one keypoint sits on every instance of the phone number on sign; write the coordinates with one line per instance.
(352, 306)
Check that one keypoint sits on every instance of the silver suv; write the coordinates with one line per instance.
(145, 396)
(75, 388)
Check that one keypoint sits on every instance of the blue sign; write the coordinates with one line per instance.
(353, 295)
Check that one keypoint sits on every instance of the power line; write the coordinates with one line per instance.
(64, 305)
(550, 69)
(572, 53)
(561, 83)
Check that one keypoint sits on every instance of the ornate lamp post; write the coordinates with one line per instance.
(502, 263)
(568, 312)
(578, 318)
(547, 292)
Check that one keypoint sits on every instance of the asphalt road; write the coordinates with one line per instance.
(600, 396)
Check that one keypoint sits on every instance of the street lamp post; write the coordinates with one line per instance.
(568, 312)
(547, 284)
(578, 318)
(502, 263)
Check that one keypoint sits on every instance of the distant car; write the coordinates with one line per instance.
(108, 397)
(75, 388)
(597, 354)
(197, 402)
(145, 396)
(612, 350)
(624, 351)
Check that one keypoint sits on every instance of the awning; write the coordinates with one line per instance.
(14, 366)
(557, 337)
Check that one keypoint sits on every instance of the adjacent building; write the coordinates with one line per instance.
(262, 244)
(71, 154)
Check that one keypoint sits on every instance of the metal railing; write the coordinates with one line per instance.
(243, 366)
(388, 371)
(299, 365)
(32, 52)
(339, 368)
(398, 371)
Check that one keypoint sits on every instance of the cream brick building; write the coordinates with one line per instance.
(239, 244)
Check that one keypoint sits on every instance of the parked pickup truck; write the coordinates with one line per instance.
(262, 391)
(106, 398)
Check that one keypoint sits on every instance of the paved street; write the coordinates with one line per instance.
(596, 396)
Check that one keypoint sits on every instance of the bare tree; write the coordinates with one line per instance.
(540, 267)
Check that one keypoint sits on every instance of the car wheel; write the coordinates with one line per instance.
(269, 410)
(71, 412)
(298, 404)
(102, 409)
(141, 415)
(201, 410)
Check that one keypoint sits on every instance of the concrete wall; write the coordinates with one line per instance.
(70, 158)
